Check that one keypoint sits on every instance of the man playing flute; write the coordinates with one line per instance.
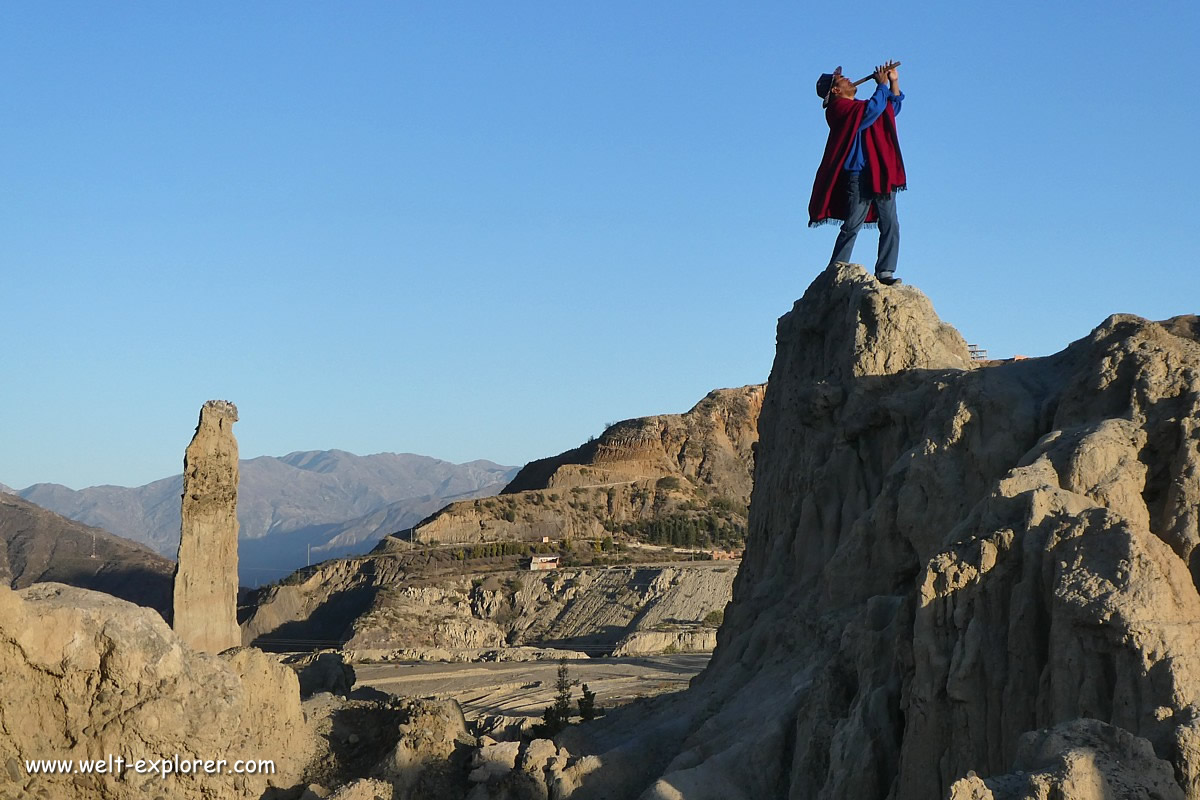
(862, 168)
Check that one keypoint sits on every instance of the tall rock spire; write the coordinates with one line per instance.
(206, 583)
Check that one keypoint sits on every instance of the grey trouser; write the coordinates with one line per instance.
(860, 200)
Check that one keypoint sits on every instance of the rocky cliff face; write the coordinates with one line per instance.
(950, 571)
(38, 546)
(637, 470)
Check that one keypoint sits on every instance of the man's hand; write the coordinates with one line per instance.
(886, 73)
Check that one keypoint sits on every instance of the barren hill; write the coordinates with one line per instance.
(692, 465)
(711, 444)
(37, 546)
(959, 582)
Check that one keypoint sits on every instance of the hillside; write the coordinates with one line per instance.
(38, 546)
(334, 501)
(409, 607)
(650, 478)
(643, 488)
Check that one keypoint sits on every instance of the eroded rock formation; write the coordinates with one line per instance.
(1084, 759)
(944, 561)
(87, 676)
(206, 583)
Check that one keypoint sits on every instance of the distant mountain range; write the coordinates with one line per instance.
(37, 545)
(331, 501)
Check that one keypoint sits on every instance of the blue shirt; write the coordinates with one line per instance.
(875, 106)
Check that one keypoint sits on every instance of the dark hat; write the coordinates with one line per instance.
(825, 84)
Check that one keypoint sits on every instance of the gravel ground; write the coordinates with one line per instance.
(517, 689)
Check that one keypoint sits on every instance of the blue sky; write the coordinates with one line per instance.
(483, 230)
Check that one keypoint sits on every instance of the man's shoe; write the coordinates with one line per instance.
(888, 281)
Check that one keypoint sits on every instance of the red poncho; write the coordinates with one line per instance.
(884, 168)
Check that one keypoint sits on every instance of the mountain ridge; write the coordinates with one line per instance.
(286, 503)
(38, 546)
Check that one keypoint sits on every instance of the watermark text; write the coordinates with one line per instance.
(161, 767)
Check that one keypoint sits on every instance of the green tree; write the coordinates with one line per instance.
(558, 715)
(587, 704)
(562, 691)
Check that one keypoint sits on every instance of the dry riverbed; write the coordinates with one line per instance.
(516, 689)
